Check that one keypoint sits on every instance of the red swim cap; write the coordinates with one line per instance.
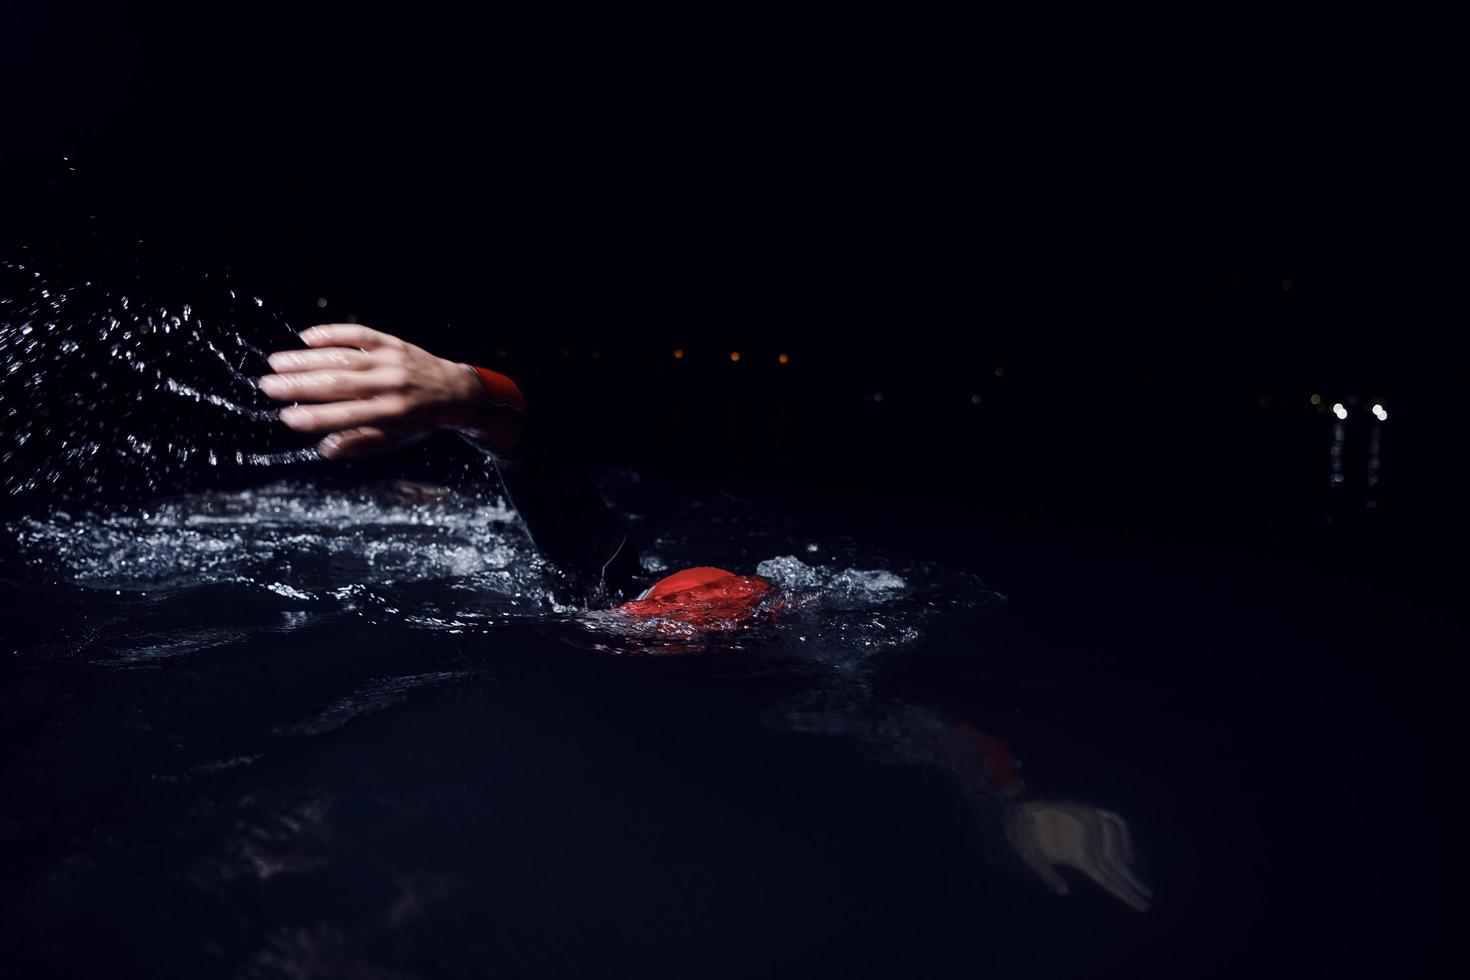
(708, 599)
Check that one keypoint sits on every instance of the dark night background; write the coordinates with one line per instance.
(1142, 286)
(579, 200)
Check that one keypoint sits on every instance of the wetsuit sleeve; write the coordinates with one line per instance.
(569, 522)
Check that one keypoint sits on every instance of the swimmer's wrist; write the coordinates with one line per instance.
(491, 409)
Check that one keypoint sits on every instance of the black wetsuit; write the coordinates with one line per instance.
(571, 525)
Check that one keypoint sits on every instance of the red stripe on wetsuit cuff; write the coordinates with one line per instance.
(498, 420)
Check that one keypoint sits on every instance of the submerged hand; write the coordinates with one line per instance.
(371, 391)
(1092, 840)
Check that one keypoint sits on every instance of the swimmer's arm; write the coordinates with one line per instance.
(371, 392)
(569, 522)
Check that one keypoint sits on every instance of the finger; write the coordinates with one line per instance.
(1118, 828)
(1126, 875)
(362, 441)
(326, 386)
(1118, 853)
(1047, 873)
(1120, 890)
(1113, 836)
(343, 415)
(347, 335)
(340, 358)
(1108, 859)
(1120, 887)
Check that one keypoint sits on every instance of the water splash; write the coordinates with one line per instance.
(102, 391)
(431, 558)
(293, 540)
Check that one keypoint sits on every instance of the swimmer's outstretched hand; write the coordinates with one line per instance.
(1089, 839)
(373, 392)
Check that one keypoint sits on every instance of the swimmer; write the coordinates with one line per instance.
(368, 392)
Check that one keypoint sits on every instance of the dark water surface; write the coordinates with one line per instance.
(304, 731)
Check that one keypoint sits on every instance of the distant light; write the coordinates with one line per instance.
(678, 353)
(597, 355)
(783, 358)
(734, 355)
(1339, 411)
(1286, 285)
(502, 353)
(351, 318)
(999, 371)
(974, 399)
(1316, 399)
(877, 396)
(321, 302)
(1381, 413)
(566, 352)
